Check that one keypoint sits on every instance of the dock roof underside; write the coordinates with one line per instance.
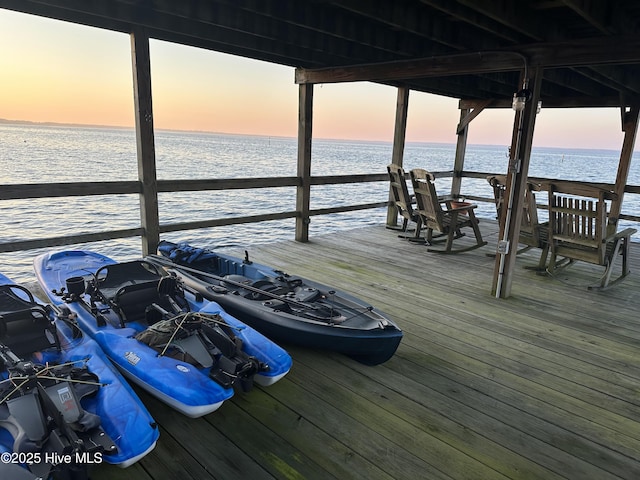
(468, 49)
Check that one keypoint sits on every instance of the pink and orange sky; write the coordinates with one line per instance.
(52, 71)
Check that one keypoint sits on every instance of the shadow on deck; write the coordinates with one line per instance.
(543, 385)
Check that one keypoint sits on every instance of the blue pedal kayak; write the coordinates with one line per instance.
(51, 370)
(181, 348)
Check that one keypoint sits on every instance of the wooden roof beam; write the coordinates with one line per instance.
(410, 18)
(215, 26)
(488, 18)
(594, 12)
(613, 77)
(523, 17)
(573, 102)
(598, 51)
(517, 16)
(304, 28)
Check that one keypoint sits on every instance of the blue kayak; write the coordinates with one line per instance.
(75, 401)
(181, 348)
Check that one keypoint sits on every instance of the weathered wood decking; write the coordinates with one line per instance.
(543, 385)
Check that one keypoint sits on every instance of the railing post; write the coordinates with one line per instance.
(303, 190)
(141, 65)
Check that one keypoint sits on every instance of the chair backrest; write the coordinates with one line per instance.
(111, 278)
(131, 287)
(529, 226)
(399, 191)
(577, 225)
(427, 204)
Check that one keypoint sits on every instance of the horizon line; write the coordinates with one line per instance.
(6, 121)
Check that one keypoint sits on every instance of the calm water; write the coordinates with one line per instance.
(39, 154)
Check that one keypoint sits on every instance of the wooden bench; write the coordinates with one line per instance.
(578, 226)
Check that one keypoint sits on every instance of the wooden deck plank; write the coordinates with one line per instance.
(581, 344)
(262, 445)
(353, 449)
(224, 460)
(430, 412)
(301, 433)
(543, 385)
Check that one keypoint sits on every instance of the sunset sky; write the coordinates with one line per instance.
(52, 71)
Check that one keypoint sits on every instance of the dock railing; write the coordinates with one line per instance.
(87, 189)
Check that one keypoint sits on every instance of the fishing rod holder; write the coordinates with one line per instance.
(75, 286)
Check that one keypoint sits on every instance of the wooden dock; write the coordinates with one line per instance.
(543, 385)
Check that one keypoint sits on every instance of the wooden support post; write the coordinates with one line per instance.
(461, 148)
(517, 174)
(149, 217)
(303, 191)
(466, 115)
(397, 155)
(630, 129)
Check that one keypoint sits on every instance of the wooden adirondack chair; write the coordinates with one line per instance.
(532, 233)
(403, 201)
(578, 231)
(447, 221)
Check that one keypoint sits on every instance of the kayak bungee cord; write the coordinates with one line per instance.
(304, 306)
(175, 331)
(39, 375)
(208, 317)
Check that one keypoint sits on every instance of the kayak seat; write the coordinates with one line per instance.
(111, 278)
(24, 419)
(133, 300)
(306, 294)
(270, 288)
(34, 419)
(131, 287)
(25, 326)
(236, 279)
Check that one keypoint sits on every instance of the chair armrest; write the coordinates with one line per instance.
(626, 233)
(447, 198)
(461, 208)
(466, 208)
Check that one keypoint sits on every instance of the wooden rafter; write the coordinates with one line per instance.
(594, 13)
(335, 33)
(612, 50)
